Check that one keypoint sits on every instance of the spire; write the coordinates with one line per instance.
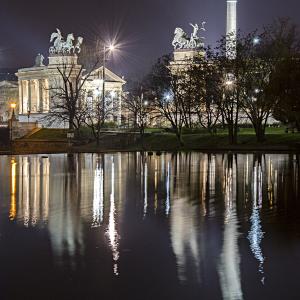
(231, 29)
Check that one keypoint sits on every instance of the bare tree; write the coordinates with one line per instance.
(170, 105)
(68, 94)
(206, 91)
(96, 114)
(139, 112)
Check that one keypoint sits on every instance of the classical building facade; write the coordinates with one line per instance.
(38, 85)
(8, 95)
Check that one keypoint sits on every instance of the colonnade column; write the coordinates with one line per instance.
(29, 108)
(21, 103)
(41, 96)
(120, 108)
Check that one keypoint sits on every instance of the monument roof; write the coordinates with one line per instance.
(109, 75)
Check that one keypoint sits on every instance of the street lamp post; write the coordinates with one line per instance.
(105, 48)
(13, 118)
(28, 115)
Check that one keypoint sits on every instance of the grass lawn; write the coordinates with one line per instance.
(158, 139)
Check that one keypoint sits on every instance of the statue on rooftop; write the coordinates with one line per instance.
(39, 61)
(61, 46)
(182, 41)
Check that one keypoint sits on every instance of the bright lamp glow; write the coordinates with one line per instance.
(256, 41)
(113, 94)
(167, 96)
(111, 47)
(13, 105)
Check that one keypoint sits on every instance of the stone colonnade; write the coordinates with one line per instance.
(34, 96)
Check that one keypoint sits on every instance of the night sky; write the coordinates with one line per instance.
(143, 28)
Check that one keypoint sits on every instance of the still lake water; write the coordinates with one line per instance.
(132, 226)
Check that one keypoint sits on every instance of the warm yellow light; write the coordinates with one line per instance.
(13, 205)
(13, 105)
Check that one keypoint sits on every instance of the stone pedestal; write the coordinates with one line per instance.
(183, 58)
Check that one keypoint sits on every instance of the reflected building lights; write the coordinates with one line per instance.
(112, 230)
(256, 235)
(184, 237)
(229, 267)
(98, 200)
(168, 189)
(26, 190)
(34, 189)
(45, 187)
(145, 188)
(13, 205)
(155, 185)
(203, 186)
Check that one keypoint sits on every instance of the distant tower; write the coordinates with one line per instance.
(231, 29)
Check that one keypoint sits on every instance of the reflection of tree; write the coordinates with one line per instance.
(229, 267)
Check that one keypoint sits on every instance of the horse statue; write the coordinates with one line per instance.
(78, 45)
(61, 46)
(180, 40)
(67, 46)
(57, 39)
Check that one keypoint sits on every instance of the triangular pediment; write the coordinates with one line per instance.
(10, 84)
(109, 75)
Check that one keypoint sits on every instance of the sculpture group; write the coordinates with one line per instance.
(183, 41)
(61, 46)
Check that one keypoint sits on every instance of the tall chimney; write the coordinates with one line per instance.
(231, 29)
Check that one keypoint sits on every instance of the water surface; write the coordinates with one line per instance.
(132, 226)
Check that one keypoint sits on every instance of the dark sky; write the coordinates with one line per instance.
(143, 28)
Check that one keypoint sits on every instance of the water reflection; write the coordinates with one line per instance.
(207, 215)
(256, 234)
(13, 209)
(229, 268)
(98, 200)
(112, 229)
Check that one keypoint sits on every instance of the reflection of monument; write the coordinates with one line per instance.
(229, 267)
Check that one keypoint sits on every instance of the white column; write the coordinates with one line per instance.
(120, 108)
(29, 96)
(21, 103)
(231, 29)
(41, 95)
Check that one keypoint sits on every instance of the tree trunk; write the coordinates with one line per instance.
(142, 134)
(260, 133)
(179, 137)
(232, 134)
